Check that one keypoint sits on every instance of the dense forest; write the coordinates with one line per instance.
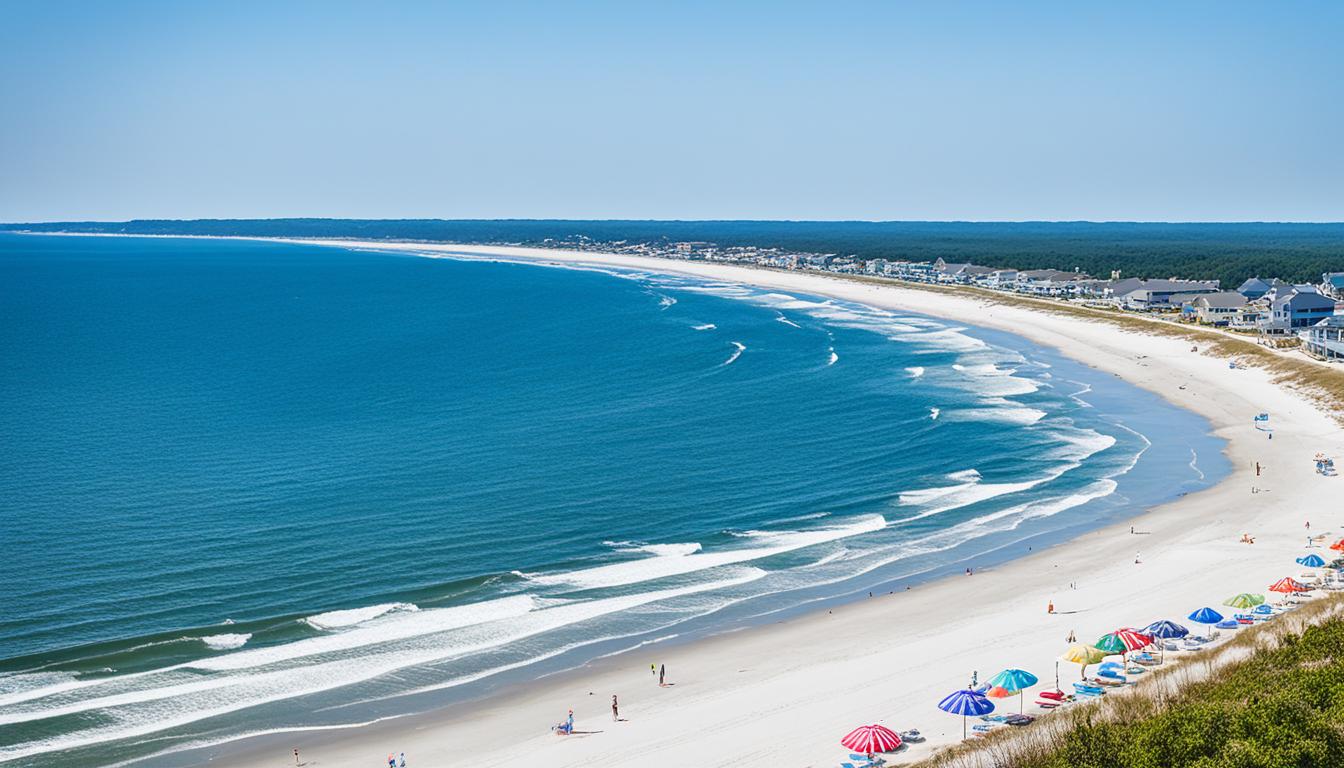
(1227, 252)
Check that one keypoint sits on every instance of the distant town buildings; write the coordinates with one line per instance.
(1272, 310)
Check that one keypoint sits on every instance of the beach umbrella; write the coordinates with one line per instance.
(1311, 561)
(1084, 655)
(1111, 644)
(1244, 600)
(966, 702)
(1167, 630)
(1133, 638)
(1287, 585)
(1013, 681)
(871, 738)
(1338, 546)
(1206, 615)
(1264, 609)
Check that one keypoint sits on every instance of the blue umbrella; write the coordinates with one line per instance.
(966, 702)
(1167, 630)
(1264, 609)
(1311, 561)
(1206, 615)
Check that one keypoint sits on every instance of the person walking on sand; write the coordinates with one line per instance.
(391, 760)
(296, 755)
(1257, 469)
(662, 674)
(1072, 637)
(615, 709)
(1050, 607)
(402, 762)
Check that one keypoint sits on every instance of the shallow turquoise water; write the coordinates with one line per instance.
(250, 486)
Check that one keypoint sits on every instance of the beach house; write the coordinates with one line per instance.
(1332, 285)
(1325, 339)
(1255, 287)
(1293, 307)
(1217, 308)
(1148, 295)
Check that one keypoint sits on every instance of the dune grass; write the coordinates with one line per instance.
(1273, 695)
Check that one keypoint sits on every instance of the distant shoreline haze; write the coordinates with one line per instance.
(1230, 252)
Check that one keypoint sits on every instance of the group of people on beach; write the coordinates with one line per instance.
(566, 727)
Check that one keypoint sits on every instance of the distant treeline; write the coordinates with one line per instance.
(1227, 252)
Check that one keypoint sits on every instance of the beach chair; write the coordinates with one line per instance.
(912, 736)
(1019, 720)
(863, 761)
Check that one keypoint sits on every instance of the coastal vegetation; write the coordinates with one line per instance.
(1271, 696)
(1228, 252)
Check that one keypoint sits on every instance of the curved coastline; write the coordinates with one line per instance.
(822, 662)
(870, 659)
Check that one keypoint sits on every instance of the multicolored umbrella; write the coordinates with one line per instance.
(1012, 681)
(966, 702)
(1244, 600)
(872, 738)
(1311, 561)
(1133, 638)
(1111, 644)
(1084, 655)
(1288, 585)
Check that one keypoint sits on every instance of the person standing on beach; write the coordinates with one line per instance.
(1050, 607)
(296, 755)
(653, 669)
(402, 762)
(615, 709)
(662, 674)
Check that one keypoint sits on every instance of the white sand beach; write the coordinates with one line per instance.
(784, 694)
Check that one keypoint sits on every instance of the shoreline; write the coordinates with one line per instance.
(869, 660)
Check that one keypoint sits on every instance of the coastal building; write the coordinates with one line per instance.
(1049, 282)
(1151, 295)
(1332, 285)
(1002, 279)
(1325, 339)
(1217, 308)
(1293, 307)
(1255, 287)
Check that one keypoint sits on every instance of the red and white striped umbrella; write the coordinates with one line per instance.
(871, 738)
(1133, 639)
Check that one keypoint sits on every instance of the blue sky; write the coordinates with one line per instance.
(835, 110)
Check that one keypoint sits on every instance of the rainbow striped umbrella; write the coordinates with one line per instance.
(871, 738)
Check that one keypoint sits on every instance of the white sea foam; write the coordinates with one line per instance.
(833, 358)
(658, 550)
(142, 711)
(915, 371)
(352, 616)
(706, 327)
(666, 301)
(768, 543)
(740, 348)
(933, 413)
(1194, 457)
(226, 642)
(786, 321)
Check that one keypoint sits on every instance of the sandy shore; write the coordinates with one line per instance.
(782, 695)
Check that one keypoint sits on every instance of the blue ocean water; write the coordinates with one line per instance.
(254, 486)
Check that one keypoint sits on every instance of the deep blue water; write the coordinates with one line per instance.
(249, 486)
